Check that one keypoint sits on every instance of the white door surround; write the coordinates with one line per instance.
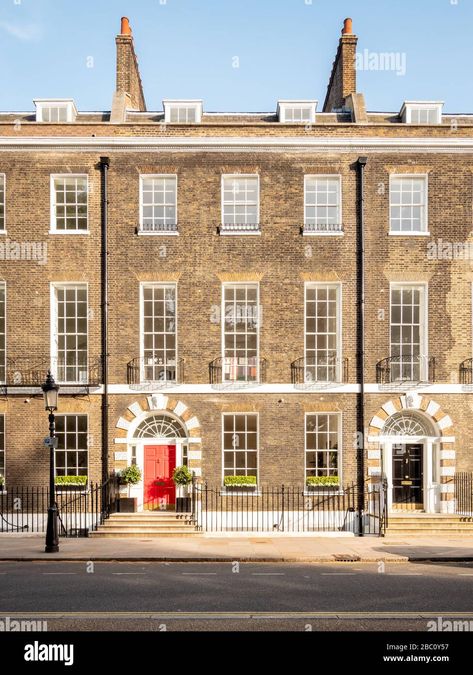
(416, 419)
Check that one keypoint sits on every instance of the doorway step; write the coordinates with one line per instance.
(428, 524)
(145, 524)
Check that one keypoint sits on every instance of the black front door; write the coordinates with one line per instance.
(407, 474)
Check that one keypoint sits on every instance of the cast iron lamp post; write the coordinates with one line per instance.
(50, 391)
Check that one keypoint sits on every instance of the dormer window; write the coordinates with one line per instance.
(297, 112)
(182, 112)
(55, 110)
(422, 112)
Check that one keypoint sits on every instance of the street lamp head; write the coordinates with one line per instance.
(50, 392)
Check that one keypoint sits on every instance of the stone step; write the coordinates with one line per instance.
(138, 532)
(146, 519)
(430, 523)
(395, 532)
(147, 525)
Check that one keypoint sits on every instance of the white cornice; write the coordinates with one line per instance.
(238, 144)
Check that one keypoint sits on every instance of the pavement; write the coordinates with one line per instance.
(21, 547)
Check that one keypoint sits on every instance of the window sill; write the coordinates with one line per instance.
(322, 493)
(409, 234)
(141, 233)
(239, 234)
(322, 234)
(250, 493)
(3, 232)
(74, 232)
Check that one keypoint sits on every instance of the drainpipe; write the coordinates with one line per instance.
(360, 340)
(104, 165)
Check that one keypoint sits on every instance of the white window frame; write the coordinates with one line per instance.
(4, 229)
(232, 284)
(423, 286)
(143, 177)
(44, 103)
(409, 107)
(156, 284)
(54, 286)
(339, 290)
(237, 176)
(53, 226)
(311, 176)
(246, 413)
(339, 415)
(425, 219)
(4, 286)
(170, 104)
(75, 414)
(284, 105)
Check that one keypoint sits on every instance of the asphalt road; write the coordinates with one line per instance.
(219, 596)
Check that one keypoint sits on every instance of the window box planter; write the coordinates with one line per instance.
(70, 483)
(242, 484)
(323, 484)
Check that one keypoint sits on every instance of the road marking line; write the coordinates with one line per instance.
(408, 574)
(268, 574)
(200, 574)
(338, 574)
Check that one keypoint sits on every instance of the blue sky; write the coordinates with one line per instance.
(187, 49)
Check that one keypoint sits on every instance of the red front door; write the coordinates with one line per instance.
(159, 488)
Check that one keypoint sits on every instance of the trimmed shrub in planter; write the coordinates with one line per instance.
(240, 483)
(322, 482)
(182, 477)
(2, 483)
(131, 475)
(70, 482)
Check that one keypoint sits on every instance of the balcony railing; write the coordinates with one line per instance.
(155, 371)
(161, 228)
(237, 370)
(31, 372)
(322, 228)
(466, 372)
(239, 228)
(25, 372)
(318, 371)
(80, 372)
(406, 368)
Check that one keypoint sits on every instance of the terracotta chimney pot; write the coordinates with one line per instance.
(347, 27)
(126, 28)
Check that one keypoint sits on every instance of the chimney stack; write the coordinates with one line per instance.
(343, 78)
(128, 75)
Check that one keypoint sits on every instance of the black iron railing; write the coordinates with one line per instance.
(155, 370)
(81, 510)
(31, 371)
(463, 488)
(25, 372)
(290, 509)
(322, 370)
(77, 372)
(406, 368)
(466, 372)
(237, 370)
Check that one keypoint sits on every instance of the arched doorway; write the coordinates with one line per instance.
(411, 460)
(158, 443)
(169, 426)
